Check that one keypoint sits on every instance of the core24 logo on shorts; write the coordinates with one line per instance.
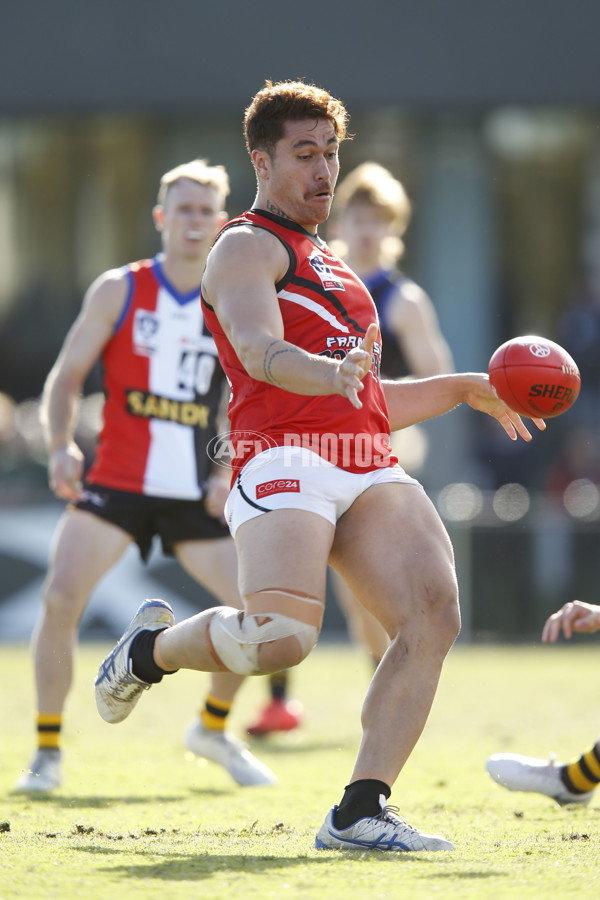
(277, 486)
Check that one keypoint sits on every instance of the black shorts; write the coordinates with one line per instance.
(143, 517)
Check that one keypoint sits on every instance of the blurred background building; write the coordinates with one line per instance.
(490, 115)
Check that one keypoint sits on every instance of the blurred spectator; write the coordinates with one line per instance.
(579, 333)
(22, 454)
(9, 436)
(578, 460)
(495, 465)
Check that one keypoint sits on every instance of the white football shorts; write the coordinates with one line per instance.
(298, 478)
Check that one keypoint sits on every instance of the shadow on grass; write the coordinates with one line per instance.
(77, 801)
(203, 865)
(465, 876)
(276, 745)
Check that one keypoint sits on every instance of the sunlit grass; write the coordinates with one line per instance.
(138, 815)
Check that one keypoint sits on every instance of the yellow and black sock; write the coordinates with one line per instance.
(583, 774)
(215, 712)
(48, 731)
(278, 683)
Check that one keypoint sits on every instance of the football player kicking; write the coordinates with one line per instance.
(297, 335)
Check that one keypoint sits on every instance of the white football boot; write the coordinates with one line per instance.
(117, 688)
(385, 831)
(44, 772)
(538, 776)
(227, 751)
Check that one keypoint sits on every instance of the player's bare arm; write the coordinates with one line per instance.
(413, 320)
(583, 618)
(410, 402)
(91, 330)
(242, 271)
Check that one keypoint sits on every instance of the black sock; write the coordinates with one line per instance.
(360, 799)
(278, 683)
(141, 654)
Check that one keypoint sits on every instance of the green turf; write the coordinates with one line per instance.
(136, 818)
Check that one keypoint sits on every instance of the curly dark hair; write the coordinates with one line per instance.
(276, 104)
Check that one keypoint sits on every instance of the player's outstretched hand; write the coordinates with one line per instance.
(572, 617)
(65, 471)
(483, 397)
(355, 366)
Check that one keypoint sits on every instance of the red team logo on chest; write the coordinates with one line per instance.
(278, 486)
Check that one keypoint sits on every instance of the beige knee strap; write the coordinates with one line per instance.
(235, 637)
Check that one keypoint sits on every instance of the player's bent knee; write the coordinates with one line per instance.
(258, 643)
(453, 620)
(61, 604)
(445, 618)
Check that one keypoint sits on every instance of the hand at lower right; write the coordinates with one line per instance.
(572, 617)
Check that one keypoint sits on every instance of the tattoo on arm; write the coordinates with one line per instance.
(270, 355)
(272, 207)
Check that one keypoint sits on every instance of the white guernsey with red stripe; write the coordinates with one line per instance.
(163, 386)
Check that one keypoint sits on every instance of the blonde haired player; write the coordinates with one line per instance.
(372, 212)
(151, 475)
(567, 783)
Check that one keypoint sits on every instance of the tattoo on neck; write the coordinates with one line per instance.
(272, 207)
(270, 355)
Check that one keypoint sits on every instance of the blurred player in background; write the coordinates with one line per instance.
(371, 213)
(297, 336)
(152, 474)
(567, 783)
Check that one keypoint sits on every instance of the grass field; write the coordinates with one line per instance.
(136, 817)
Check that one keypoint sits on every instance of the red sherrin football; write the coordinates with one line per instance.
(534, 376)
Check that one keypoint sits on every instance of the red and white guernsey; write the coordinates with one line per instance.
(163, 387)
(326, 310)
